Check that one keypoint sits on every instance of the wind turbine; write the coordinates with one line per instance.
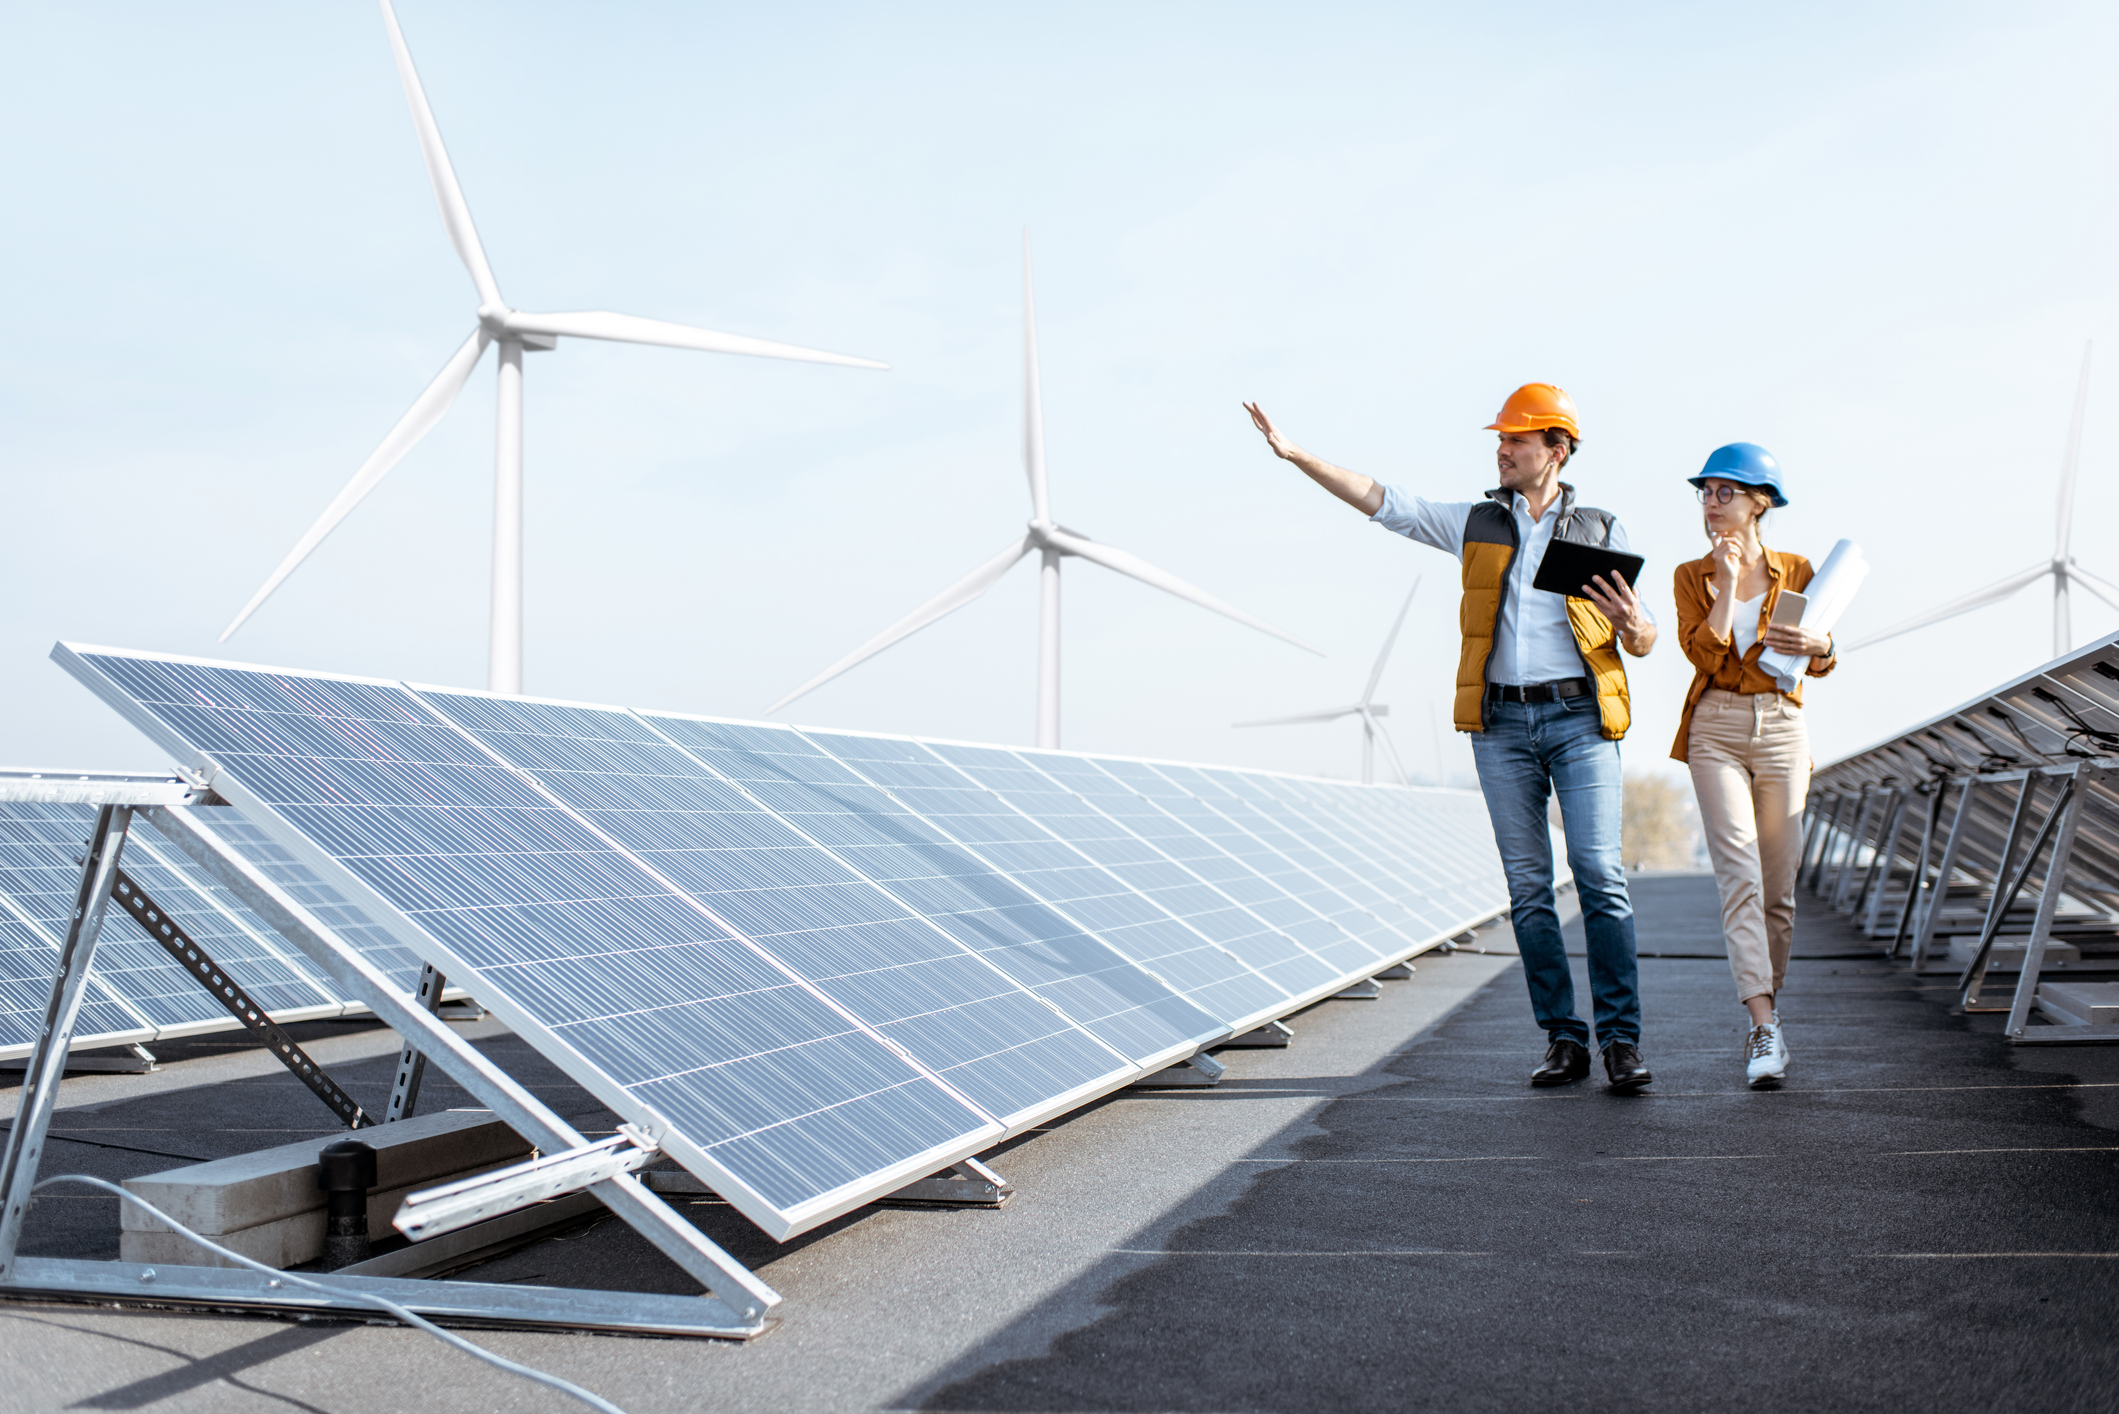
(1053, 542)
(2063, 567)
(1368, 708)
(515, 331)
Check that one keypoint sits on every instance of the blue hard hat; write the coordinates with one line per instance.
(1747, 463)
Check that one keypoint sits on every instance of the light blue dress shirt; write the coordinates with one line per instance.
(1532, 641)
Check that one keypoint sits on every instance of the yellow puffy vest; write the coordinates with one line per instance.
(1489, 547)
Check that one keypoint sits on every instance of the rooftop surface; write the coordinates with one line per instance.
(1381, 1216)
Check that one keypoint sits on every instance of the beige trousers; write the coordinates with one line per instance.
(1750, 761)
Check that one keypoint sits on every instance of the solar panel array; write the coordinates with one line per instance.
(1973, 793)
(136, 992)
(2063, 713)
(818, 964)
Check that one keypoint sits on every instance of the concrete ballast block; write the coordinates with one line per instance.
(267, 1205)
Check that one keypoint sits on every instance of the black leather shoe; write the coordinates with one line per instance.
(1565, 1062)
(1624, 1066)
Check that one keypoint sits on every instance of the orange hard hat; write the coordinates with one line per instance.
(1535, 406)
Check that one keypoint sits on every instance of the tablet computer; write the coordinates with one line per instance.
(1567, 567)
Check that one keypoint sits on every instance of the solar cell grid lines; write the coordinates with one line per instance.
(1048, 841)
(138, 992)
(1309, 874)
(949, 1010)
(1436, 845)
(29, 952)
(821, 783)
(764, 1090)
(1333, 862)
(1289, 898)
(1214, 891)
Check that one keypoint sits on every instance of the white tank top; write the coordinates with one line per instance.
(1744, 632)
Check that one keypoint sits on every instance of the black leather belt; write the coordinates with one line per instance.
(1555, 691)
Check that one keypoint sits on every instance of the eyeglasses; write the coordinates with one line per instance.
(1719, 495)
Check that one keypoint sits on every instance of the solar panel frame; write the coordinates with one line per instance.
(781, 1219)
(1089, 1067)
(923, 866)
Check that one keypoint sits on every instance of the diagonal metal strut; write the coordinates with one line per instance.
(230, 994)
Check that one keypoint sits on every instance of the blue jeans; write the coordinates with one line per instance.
(1528, 751)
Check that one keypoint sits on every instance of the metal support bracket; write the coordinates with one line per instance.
(229, 993)
(1396, 972)
(969, 1184)
(1945, 869)
(1365, 990)
(411, 1061)
(2009, 882)
(47, 1063)
(1273, 1035)
(1918, 883)
(1201, 1070)
(2074, 794)
(1878, 882)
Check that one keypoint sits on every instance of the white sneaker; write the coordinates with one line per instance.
(1766, 1056)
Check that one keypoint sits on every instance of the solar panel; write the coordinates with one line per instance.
(758, 1084)
(842, 790)
(1291, 899)
(950, 1009)
(146, 995)
(1437, 845)
(29, 952)
(1339, 865)
(1210, 889)
(1055, 846)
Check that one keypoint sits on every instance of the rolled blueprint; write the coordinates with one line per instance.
(1829, 592)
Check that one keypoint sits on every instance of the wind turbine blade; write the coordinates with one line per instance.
(1033, 402)
(956, 596)
(415, 424)
(455, 214)
(632, 329)
(1975, 600)
(2103, 589)
(1376, 673)
(1390, 748)
(1113, 559)
(1332, 716)
(2074, 451)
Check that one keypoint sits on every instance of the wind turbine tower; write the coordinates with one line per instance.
(1368, 709)
(1053, 543)
(515, 332)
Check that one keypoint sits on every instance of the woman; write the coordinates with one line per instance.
(1743, 738)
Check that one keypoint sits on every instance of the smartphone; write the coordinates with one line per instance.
(1788, 609)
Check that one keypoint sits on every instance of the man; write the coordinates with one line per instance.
(1542, 689)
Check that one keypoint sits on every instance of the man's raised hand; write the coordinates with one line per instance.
(1281, 446)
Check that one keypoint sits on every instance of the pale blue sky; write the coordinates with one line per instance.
(1870, 237)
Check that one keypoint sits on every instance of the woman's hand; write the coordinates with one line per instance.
(1797, 641)
(1728, 557)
